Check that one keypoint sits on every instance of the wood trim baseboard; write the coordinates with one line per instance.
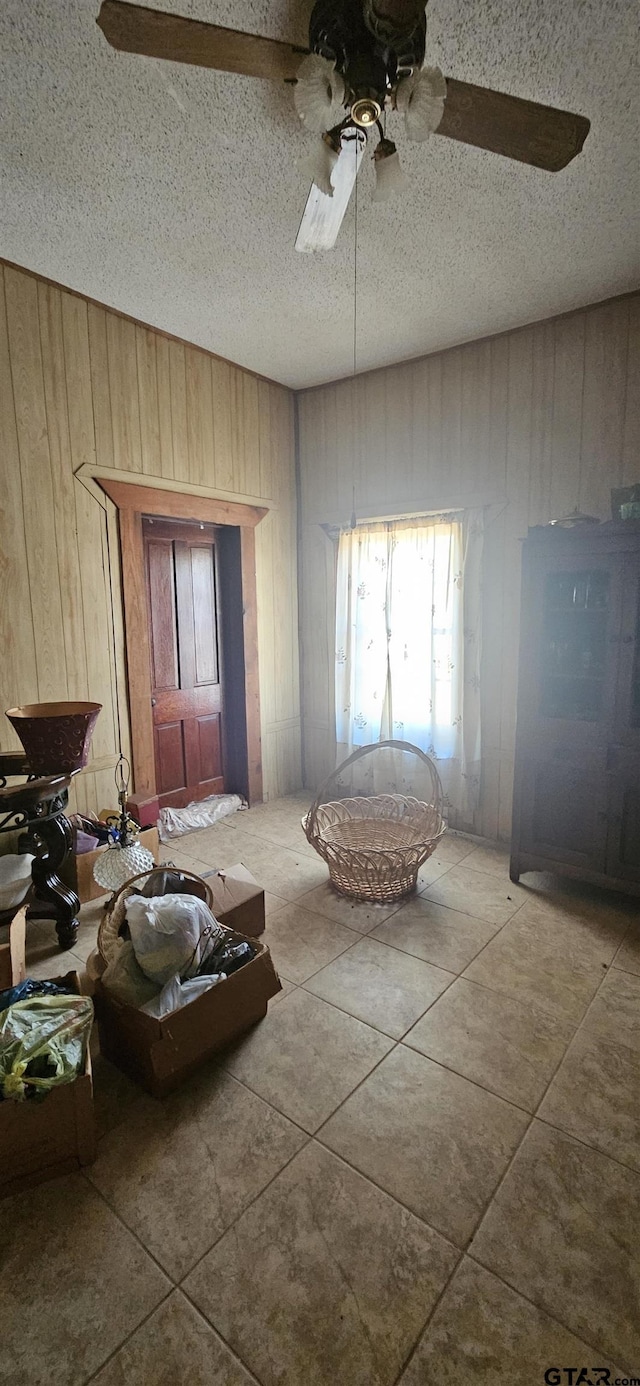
(132, 502)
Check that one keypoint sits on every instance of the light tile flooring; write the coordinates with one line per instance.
(423, 1167)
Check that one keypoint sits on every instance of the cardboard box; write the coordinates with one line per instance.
(160, 1054)
(12, 954)
(42, 1140)
(84, 884)
(238, 900)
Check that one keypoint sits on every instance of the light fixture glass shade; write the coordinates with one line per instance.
(118, 864)
(319, 93)
(319, 165)
(391, 179)
(420, 98)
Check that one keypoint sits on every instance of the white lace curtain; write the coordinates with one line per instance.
(408, 644)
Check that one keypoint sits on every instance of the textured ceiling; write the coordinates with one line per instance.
(172, 192)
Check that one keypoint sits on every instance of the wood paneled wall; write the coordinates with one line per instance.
(84, 392)
(529, 424)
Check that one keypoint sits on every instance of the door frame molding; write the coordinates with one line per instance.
(132, 502)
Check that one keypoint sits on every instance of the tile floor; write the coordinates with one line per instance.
(423, 1167)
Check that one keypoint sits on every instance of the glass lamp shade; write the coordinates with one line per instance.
(118, 864)
(420, 98)
(391, 179)
(319, 165)
(319, 93)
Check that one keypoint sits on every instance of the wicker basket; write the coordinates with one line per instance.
(114, 917)
(375, 843)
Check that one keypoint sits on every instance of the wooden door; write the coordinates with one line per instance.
(186, 683)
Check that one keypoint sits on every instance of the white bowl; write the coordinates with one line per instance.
(15, 879)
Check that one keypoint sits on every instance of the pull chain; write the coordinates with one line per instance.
(355, 310)
(356, 145)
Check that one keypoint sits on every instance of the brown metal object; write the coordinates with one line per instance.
(156, 34)
(523, 130)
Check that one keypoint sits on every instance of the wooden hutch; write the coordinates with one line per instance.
(577, 775)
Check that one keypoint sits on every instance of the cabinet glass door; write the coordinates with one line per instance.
(574, 647)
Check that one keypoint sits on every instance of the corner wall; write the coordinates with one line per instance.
(84, 390)
(529, 424)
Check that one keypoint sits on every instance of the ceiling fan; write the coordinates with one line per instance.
(364, 56)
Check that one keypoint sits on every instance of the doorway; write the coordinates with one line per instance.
(190, 615)
(187, 681)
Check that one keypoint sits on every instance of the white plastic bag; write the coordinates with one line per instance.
(171, 934)
(177, 994)
(177, 822)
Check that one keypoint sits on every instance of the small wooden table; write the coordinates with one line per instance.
(38, 808)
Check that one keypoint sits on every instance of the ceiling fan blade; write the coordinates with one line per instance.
(156, 34)
(323, 215)
(524, 130)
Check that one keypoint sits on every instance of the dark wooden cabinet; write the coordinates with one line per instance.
(576, 806)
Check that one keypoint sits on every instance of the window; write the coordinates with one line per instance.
(407, 642)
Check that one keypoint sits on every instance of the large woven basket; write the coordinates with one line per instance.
(375, 843)
(114, 917)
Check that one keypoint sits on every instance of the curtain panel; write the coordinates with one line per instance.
(408, 611)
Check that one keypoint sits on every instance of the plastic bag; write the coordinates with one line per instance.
(177, 994)
(43, 1043)
(177, 822)
(124, 978)
(30, 987)
(172, 934)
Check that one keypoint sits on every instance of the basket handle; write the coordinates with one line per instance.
(149, 871)
(351, 760)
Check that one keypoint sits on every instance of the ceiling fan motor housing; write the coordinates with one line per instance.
(359, 37)
(400, 27)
